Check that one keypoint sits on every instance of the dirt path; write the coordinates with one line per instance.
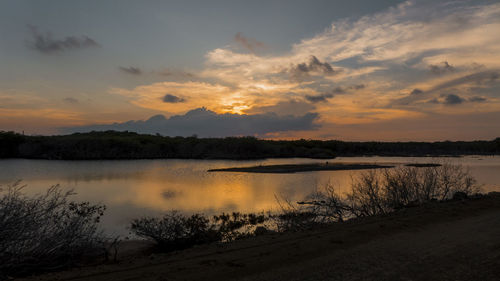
(441, 241)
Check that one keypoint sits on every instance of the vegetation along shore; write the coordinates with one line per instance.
(129, 145)
(51, 233)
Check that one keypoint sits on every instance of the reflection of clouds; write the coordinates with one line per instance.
(229, 207)
(199, 196)
(169, 194)
(76, 171)
(109, 176)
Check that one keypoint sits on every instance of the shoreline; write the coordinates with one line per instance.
(295, 168)
(455, 239)
(311, 167)
(98, 145)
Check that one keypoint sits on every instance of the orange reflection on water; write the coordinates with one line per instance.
(136, 188)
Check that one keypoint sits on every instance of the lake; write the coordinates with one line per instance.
(134, 188)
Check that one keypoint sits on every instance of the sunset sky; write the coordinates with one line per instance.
(348, 70)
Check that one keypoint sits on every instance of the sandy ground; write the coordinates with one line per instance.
(457, 240)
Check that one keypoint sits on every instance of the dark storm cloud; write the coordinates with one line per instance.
(442, 68)
(130, 70)
(44, 43)
(250, 44)
(168, 98)
(206, 123)
(319, 98)
(453, 99)
(314, 66)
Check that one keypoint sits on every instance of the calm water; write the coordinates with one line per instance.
(133, 188)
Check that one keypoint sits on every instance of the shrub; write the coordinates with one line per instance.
(238, 225)
(327, 204)
(377, 192)
(381, 191)
(368, 195)
(45, 232)
(175, 231)
(294, 218)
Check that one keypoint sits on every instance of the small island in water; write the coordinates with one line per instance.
(294, 168)
(309, 167)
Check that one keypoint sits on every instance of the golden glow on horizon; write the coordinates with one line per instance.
(364, 73)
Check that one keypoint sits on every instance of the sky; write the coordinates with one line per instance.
(346, 70)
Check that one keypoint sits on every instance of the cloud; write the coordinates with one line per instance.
(44, 43)
(477, 99)
(283, 108)
(477, 78)
(344, 90)
(416, 92)
(407, 31)
(480, 78)
(335, 91)
(71, 100)
(434, 101)
(442, 68)
(176, 73)
(357, 87)
(328, 94)
(384, 40)
(378, 67)
(195, 94)
(250, 44)
(338, 90)
(431, 127)
(314, 66)
(453, 99)
(206, 123)
(168, 98)
(130, 70)
(319, 98)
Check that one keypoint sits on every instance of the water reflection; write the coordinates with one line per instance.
(133, 188)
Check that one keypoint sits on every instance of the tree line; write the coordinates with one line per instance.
(130, 145)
